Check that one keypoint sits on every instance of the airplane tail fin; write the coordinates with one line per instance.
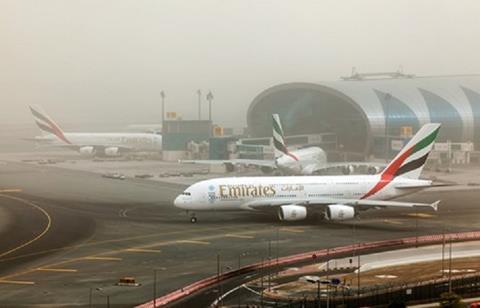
(46, 125)
(278, 138)
(410, 161)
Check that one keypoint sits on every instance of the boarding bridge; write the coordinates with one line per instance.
(456, 153)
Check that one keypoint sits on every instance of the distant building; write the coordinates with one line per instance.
(355, 109)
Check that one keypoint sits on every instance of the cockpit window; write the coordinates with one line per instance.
(186, 193)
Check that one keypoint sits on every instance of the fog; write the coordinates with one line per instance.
(107, 61)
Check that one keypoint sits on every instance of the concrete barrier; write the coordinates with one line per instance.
(310, 256)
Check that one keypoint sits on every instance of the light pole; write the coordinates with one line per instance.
(199, 93)
(450, 265)
(218, 268)
(358, 280)
(328, 277)
(278, 231)
(416, 228)
(243, 254)
(210, 99)
(443, 253)
(105, 295)
(269, 264)
(222, 270)
(162, 95)
(154, 288)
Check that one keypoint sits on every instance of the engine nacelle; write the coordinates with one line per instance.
(111, 151)
(266, 170)
(292, 212)
(348, 169)
(339, 212)
(87, 151)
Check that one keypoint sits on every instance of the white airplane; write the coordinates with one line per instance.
(305, 161)
(92, 144)
(337, 197)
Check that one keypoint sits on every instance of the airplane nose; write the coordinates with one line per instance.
(178, 202)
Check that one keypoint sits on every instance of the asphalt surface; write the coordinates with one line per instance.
(71, 234)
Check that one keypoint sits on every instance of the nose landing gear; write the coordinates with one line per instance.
(193, 219)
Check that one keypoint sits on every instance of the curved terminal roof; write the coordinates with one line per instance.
(356, 109)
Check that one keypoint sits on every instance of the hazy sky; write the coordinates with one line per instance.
(109, 59)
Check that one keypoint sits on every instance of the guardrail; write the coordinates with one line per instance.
(310, 256)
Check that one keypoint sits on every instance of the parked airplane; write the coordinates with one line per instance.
(305, 161)
(337, 197)
(93, 144)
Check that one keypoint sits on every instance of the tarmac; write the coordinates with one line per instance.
(69, 235)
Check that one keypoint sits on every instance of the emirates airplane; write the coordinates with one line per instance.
(305, 161)
(92, 144)
(337, 197)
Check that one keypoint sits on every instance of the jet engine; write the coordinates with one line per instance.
(292, 212)
(111, 151)
(339, 212)
(266, 170)
(87, 151)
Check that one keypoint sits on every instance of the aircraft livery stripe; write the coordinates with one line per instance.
(388, 175)
(426, 141)
(45, 128)
(54, 129)
(277, 128)
(410, 166)
(39, 115)
(397, 167)
(280, 146)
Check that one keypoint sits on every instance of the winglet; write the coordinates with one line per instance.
(434, 205)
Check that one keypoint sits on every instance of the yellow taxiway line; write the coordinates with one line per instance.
(193, 242)
(45, 230)
(142, 250)
(17, 282)
(393, 222)
(421, 215)
(239, 236)
(294, 230)
(59, 270)
(102, 258)
(10, 190)
(99, 257)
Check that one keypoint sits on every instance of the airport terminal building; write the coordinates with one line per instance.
(356, 109)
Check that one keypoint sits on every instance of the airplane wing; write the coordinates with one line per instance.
(425, 185)
(358, 203)
(97, 148)
(245, 162)
(369, 167)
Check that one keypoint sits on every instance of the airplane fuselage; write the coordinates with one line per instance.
(302, 161)
(240, 193)
(133, 141)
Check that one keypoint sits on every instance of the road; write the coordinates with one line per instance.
(69, 234)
